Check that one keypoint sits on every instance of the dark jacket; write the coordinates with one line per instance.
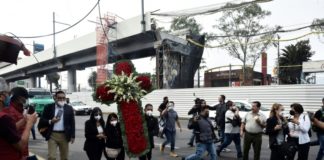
(152, 127)
(220, 114)
(68, 118)
(114, 137)
(198, 129)
(271, 124)
(92, 143)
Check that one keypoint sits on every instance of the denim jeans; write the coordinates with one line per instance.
(170, 135)
(221, 134)
(192, 138)
(229, 137)
(200, 150)
(320, 153)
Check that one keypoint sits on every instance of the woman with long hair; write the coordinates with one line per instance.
(276, 129)
(114, 149)
(94, 133)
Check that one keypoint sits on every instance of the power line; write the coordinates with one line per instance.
(51, 34)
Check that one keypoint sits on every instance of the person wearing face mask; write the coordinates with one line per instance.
(205, 135)
(277, 130)
(114, 138)
(15, 110)
(171, 117)
(152, 128)
(94, 134)
(299, 126)
(59, 122)
(232, 129)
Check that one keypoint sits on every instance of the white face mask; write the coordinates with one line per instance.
(113, 123)
(61, 103)
(149, 113)
(97, 117)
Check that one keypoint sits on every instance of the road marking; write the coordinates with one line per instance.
(38, 157)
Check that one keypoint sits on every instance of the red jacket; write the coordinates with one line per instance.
(7, 151)
(17, 116)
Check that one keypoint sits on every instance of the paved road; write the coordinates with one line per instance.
(39, 146)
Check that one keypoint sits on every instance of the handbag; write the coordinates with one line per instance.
(112, 152)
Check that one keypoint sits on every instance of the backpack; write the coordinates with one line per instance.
(310, 129)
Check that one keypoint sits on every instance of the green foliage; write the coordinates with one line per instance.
(180, 23)
(92, 80)
(238, 25)
(294, 55)
(319, 25)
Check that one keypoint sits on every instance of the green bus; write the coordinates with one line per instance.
(39, 98)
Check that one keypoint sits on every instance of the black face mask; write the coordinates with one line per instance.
(292, 112)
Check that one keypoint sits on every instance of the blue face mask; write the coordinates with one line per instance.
(6, 102)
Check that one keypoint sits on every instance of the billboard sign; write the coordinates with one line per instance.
(313, 66)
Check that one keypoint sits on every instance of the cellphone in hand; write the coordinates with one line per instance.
(59, 114)
(31, 110)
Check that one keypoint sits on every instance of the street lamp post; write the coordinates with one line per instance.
(278, 46)
(54, 21)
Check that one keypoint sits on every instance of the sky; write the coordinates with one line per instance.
(34, 17)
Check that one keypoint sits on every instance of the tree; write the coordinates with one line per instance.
(291, 61)
(184, 22)
(92, 79)
(53, 78)
(238, 27)
(318, 26)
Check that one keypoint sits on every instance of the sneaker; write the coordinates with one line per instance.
(226, 150)
(161, 148)
(173, 154)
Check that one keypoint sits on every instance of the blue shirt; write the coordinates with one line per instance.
(171, 117)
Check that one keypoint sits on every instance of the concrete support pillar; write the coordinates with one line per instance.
(32, 82)
(39, 82)
(71, 80)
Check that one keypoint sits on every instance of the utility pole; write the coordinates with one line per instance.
(54, 46)
(278, 72)
(143, 17)
(230, 76)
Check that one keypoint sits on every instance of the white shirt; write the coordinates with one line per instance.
(59, 126)
(251, 125)
(99, 128)
(228, 126)
(300, 131)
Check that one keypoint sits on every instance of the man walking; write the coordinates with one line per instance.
(171, 117)
(205, 135)
(194, 111)
(59, 117)
(221, 109)
(252, 126)
(162, 106)
(319, 115)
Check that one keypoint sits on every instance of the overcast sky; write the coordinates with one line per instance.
(34, 17)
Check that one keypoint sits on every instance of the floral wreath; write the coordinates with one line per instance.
(126, 87)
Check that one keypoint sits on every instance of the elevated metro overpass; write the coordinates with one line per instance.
(132, 43)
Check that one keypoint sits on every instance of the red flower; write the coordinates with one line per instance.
(146, 82)
(103, 95)
(134, 130)
(126, 66)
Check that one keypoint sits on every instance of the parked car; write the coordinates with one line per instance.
(81, 108)
(243, 106)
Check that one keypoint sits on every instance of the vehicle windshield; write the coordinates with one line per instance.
(249, 108)
(39, 94)
(79, 103)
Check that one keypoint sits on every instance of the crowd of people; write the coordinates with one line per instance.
(288, 136)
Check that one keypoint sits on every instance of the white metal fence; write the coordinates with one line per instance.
(310, 96)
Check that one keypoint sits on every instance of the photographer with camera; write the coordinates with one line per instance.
(205, 135)
(232, 129)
